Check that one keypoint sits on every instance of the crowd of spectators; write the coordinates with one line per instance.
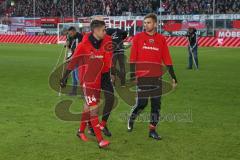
(64, 8)
(180, 7)
(81, 7)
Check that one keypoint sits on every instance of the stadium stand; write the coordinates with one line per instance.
(82, 7)
(118, 7)
(179, 7)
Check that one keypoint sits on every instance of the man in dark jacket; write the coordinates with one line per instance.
(192, 48)
(118, 37)
(73, 39)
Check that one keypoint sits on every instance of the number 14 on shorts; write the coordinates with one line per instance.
(90, 99)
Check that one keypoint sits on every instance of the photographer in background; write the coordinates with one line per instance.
(192, 48)
(73, 39)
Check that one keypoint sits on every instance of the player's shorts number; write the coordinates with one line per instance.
(91, 99)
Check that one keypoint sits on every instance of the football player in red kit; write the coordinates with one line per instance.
(108, 91)
(92, 60)
(149, 53)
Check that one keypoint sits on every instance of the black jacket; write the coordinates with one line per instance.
(118, 36)
(192, 38)
(73, 41)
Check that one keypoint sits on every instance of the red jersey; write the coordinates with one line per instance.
(149, 53)
(106, 47)
(91, 62)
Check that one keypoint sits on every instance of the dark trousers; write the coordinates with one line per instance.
(192, 55)
(107, 87)
(150, 87)
(120, 58)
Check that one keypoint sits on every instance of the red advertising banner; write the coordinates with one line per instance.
(139, 23)
(172, 26)
(53, 20)
(197, 25)
(236, 24)
(68, 20)
(178, 26)
(49, 22)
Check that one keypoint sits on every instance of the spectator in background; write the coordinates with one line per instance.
(117, 7)
(108, 10)
(192, 48)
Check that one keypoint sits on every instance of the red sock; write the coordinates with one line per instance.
(84, 119)
(96, 128)
(103, 123)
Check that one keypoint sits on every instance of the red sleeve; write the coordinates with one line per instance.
(107, 62)
(134, 48)
(76, 59)
(167, 60)
(108, 57)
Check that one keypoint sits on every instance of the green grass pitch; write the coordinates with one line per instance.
(208, 99)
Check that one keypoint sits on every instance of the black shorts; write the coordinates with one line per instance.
(149, 87)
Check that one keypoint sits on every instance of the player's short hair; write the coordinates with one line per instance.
(152, 16)
(96, 24)
(72, 28)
